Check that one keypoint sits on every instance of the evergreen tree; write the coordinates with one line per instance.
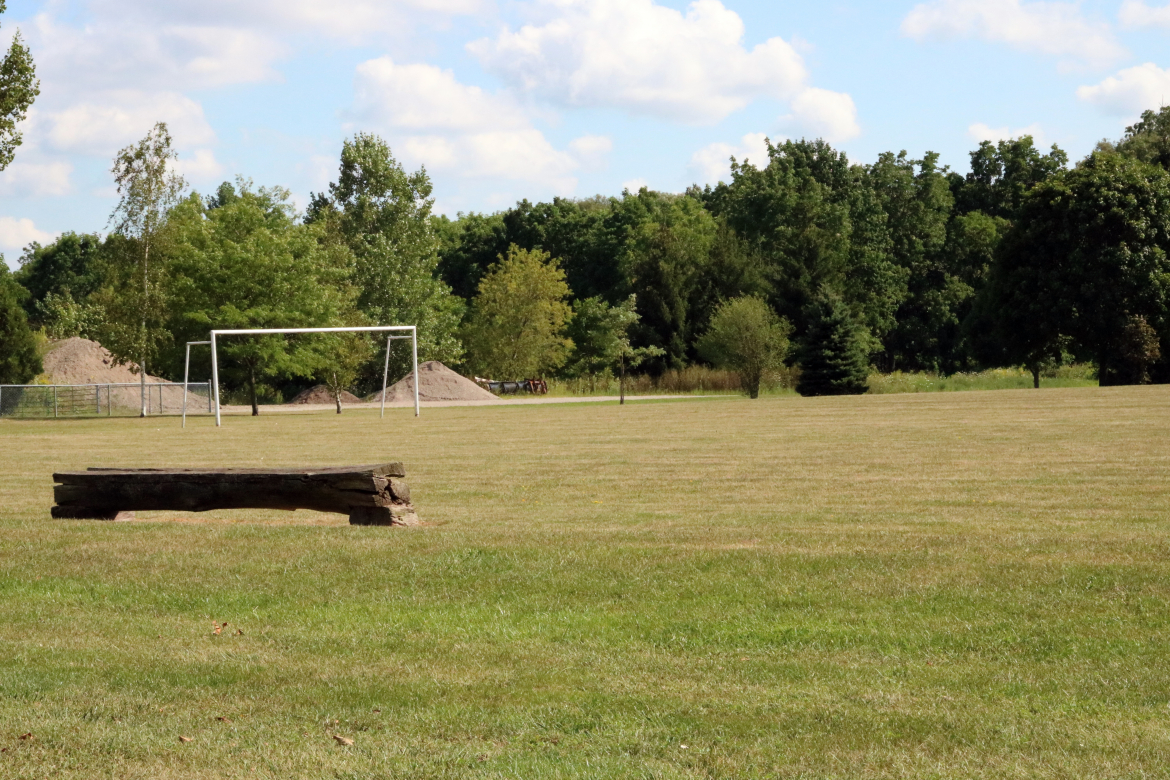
(832, 354)
(19, 359)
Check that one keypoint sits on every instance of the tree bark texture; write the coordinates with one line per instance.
(370, 495)
(252, 391)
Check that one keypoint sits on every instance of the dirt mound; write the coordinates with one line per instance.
(323, 395)
(436, 382)
(78, 361)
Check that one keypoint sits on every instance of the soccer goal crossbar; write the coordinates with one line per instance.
(407, 331)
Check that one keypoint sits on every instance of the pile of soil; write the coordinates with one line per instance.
(436, 382)
(78, 361)
(323, 395)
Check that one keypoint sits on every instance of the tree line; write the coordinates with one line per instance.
(805, 258)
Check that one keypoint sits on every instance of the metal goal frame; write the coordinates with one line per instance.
(410, 331)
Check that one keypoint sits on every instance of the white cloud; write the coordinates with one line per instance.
(110, 120)
(126, 53)
(634, 185)
(712, 163)
(1135, 13)
(982, 132)
(16, 234)
(35, 179)
(644, 58)
(436, 121)
(349, 20)
(592, 151)
(1053, 28)
(1131, 91)
(824, 114)
(199, 167)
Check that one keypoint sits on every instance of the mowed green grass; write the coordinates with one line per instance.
(948, 585)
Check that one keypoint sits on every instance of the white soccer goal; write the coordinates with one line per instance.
(410, 330)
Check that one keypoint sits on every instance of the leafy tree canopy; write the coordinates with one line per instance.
(1088, 254)
(518, 318)
(1149, 139)
(19, 87)
(383, 214)
(748, 337)
(1003, 173)
(20, 359)
(72, 265)
(247, 265)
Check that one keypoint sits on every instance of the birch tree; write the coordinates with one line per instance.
(148, 188)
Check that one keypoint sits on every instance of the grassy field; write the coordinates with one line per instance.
(945, 585)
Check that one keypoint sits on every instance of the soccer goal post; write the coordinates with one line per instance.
(407, 331)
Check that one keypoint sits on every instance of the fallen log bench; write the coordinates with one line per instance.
(370, 495)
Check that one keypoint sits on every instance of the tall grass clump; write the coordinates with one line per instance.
(1076, 375)
(696, 380)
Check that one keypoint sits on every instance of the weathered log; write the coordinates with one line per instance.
(371, 495)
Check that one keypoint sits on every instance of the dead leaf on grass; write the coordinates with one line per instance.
(185, 739)
(26, 736)
(222, 719)
(343, 741)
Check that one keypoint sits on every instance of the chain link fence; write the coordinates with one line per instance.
(105, 400)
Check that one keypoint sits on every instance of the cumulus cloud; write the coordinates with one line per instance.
(1131, 91)
(635, 185)
(1053, 28)
(350, 20)
(644, 58)
(36, 179)
(824, 114)
(108, 121)
(592, 151)
(17, 233)
(982, 132)
(199, 167)
(712, 163)
(439, 122)
(1135, 13)
(119, 53)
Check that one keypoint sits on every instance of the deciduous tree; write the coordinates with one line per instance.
(748, 337)
(20, 360)
(148, 188)
(384, 215)
(1089, 251)
(248, 264)
(518, 318)
(19, 87)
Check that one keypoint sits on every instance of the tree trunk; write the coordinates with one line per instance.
(145, 304)
(252, 391)
(622, 383)
(754, 387)
(142, 384)
(336, 393)
(1035, 369)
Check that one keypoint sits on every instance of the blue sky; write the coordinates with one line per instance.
(506, 100)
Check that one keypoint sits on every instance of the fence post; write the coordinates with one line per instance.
(97, 400)
(109, 401)
(54, 402)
